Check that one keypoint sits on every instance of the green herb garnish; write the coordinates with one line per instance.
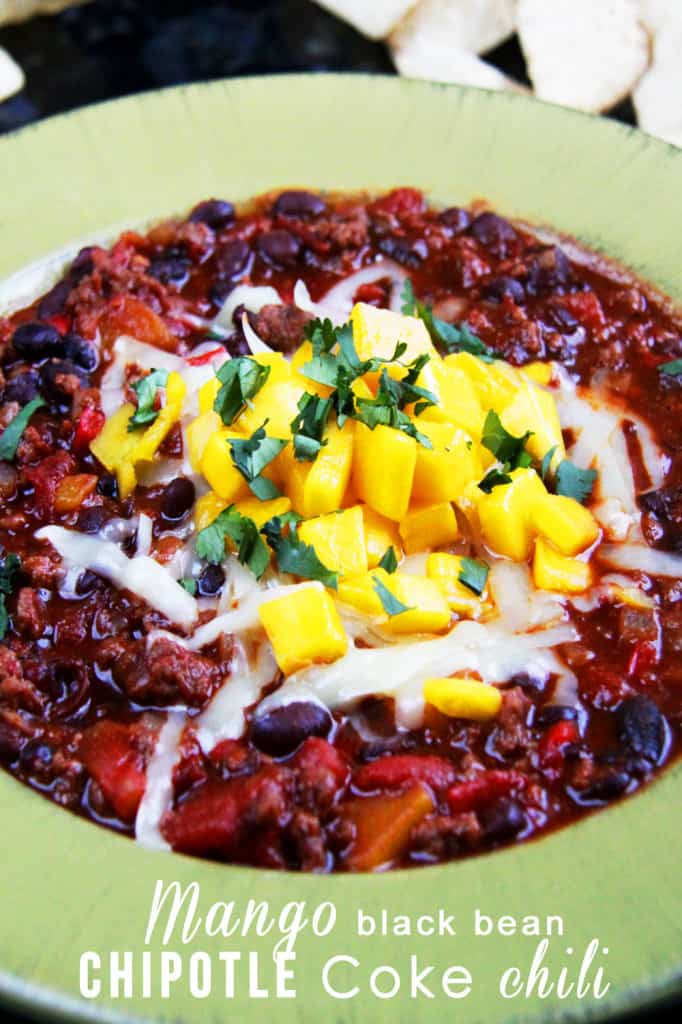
(671, 369)
(452, 337)
(473, 574)
(241, 379)
(389, 602)
(11, 435)
(189, 584)
(573, 482)
(505, 446)
(309, 426)
(294, 555)
(9, 567)
(495, 477)
(252, 455)
(389, 561)
(146, 389)
(252, 550)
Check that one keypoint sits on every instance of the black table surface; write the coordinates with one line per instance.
(112, 48)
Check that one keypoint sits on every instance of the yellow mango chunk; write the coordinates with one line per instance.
(428, 610)
(262, 511)
(460, 697)
(338, 539)
(382, 826)
(156, 432)
(495, 383)
(114, 440)
(554, 571)
(276, 402)
(444, 570)
(428, 526)
(505, 514)
(458, 400)
(197, 435)
(533, 408)
(360, 592)
(565, 522)
(219, 469)
(207, 394)
(303, 355)
(280, 368)
(539, 372)
(304, 628)
(376, 332)
(318, 487)
(383, 469)
(442, 472)
(380, 534)
(207, 508)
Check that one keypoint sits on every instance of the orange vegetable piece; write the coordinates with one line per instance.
(127, 315)
(73, 490)
(383, 825)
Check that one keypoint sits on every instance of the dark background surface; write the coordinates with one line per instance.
(113, 48)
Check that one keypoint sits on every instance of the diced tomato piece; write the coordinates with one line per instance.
(370, 293)
(90, 423)
(316, 755)
(400, 201)
(383, 825)
(552, 744)
(587, 308)
(483, 789)
(46, 477)
(205, 357)
(392, 771)
(125, 314)
(60, 322)
(108, 754)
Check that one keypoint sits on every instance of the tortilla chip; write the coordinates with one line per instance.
(583, 53)
(658, 95)
(473, 25)
(441, 62)
(374, 18)
(11, 76)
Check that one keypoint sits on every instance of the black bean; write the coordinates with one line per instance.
(552, 713)
(83, 264)
(107, 485)
(178, 498)
(10, 743)
(548, 271)
(232, 258)
(400, 250)
(80, 352)
(54, 389)
(34, 340)
(495, 233)
(496, 289)
(217, 213)
(503, 820)
(211, 581)
(54, 301)
(283, 729)
(36, 755)
(170, 270)
(641, 727)
(279, 248)
(455, 218)
(91, 520)
(534, 685)
(606, 788)
(22, 388)
(561, 318)
(86, 583)
(299, 204)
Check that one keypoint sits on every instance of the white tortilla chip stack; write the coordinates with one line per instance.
(587, 54)
(20, 10)
(471, 25)
(11, 76)
(658, 94)
(374, 18)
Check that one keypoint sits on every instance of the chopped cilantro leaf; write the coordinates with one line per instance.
(573, 482)
(450, 336)
(547, 462)
(386, 409)
(145, 389)
(309, 426)
(473, 574)
(9, 567)
(389, 602)
(388, 560)
(11, 435)
(252, 455)
(505, 446)
(241, 379)
(495, 477)
(671, 369)
(189, 584)
(252, 550)
(294, 555)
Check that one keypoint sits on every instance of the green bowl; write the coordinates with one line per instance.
(66, 886)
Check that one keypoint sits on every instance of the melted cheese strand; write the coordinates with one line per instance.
(223, 719)
(158, 791)
(641, 558)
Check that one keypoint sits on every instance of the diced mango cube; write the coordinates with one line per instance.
(458, 401)
(539, 372)
(505, 514)
(276, 402)
(383, 469)
(460, 697)
(207, 394)
(304, 628)
(280, 368)
(338, 539)
(198, 432)
(303, 355)
(318, 487)
(360, 592)
(207, 508)
(554, 571)
(219, 469)
(442, 472)
(533, 408)
(380, 534)
(376, 332)
(565, 522)
(261, 511)
(428, 610)
(495, 383)
(444, 570)
(428, 526)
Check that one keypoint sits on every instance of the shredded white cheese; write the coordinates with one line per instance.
(158, 791)
(642, 558)
(224, 717)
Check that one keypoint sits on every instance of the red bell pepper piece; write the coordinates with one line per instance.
(483, 789)
(392, 771)
(60, 322)
(90, 423)
(108, 754)
(205, 357)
